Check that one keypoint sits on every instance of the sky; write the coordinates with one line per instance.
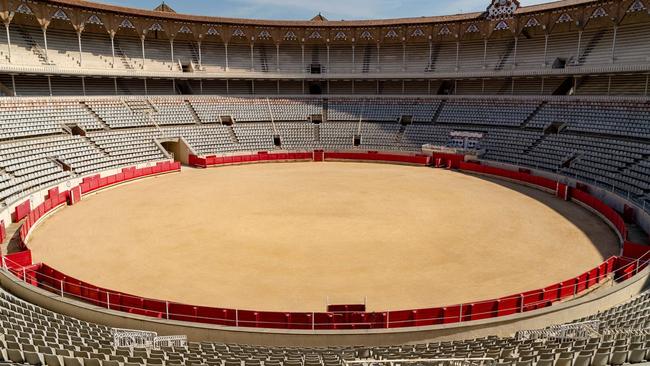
(306, 9)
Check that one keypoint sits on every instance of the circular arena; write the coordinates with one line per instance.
(197, 190)
(295, 237)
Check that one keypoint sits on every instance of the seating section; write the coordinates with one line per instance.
(597, 141)
(618, 118)
(172, 112)
(34, 336)
(382, 110)
(117, 114)
(502, 53)
(483, 112)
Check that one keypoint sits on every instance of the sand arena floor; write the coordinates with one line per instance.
(290, 236)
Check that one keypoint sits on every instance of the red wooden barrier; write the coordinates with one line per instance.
(21, 211)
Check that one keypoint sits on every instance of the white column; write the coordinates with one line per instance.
(252, 58)
(143, 54)
(113, 47)
(47, 57)
(514, 59)
(328, 58)
(354, 66)
(378, 68)
(171, 44)
(83, 85)
(577, 60)
(614, 44)
(8, 41)
(457, 55)
(545, 49)
(225, 46)
(429, 64)
(80, 50)
(485, 44)
(200, 56)
(49, 83)
(403, 56)
(302, 50)
(277, 57)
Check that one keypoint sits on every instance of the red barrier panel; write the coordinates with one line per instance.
(375, 156)
(634, 250)
(451, 161)
(19, 259)
(21, 211)
(508, 305)
(483, 310)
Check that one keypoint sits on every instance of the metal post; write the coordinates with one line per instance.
(83, 85)
(143, 55)
(24, 274)
(378, 68)
(514, 57)
(8, 41)
(614, 44)
(113, 47)
(313, 321)
(47, 57)
(80, 50)
(302, 50)
(328, 58)
(403, 56)
(277, 57)
(353, 63)
(49, 83)
(225, 46)
(485, 44)
(457, 54)
(236, 317)
(167, 309)
(108, 300)
(171, 43)
(62, 293)
(4, 262)
(545, 49)
(577, 60)
(200, 56)
(252, 57)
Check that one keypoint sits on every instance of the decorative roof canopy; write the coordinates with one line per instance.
(164, 8)
(319, 18)
(500, 9)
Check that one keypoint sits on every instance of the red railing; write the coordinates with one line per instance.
(615, 268)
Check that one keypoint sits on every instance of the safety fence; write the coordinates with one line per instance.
(613, 269)
(316, 155)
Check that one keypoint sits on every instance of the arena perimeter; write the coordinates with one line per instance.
(293, 237)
